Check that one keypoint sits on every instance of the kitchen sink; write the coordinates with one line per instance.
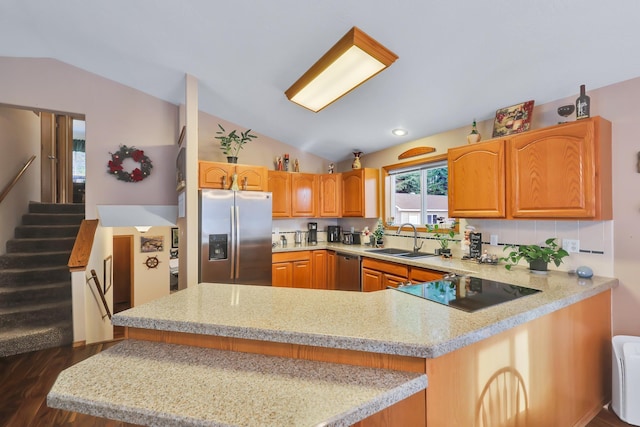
(415, 255)
(388, 251)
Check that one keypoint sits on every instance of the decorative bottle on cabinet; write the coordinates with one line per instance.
(582, 105)
(474, 136)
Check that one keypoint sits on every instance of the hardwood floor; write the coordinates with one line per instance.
(26, 379)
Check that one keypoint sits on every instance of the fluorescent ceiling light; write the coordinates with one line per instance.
(349, 63)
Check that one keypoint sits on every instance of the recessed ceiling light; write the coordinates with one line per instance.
(399, 132)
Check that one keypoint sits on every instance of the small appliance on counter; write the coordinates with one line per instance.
(349, 238)
(312, 234)
(333, 233)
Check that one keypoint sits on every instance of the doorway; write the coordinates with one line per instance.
(122, 273)
(63, 158)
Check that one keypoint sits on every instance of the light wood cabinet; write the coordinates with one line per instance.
(304, 186)
(291, 269)
(331, 270)
(280, 188)
(421, 275)
(294, 194)
(477, 180)
(378, 275)
(360, 193)
(220, 176)
(559, 172)
(329, 200)
(319, 270)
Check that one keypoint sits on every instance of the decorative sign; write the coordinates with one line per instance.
(475, 248)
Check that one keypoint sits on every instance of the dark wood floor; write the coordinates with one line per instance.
(26, 379)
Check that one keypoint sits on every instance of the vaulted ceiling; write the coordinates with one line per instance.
(458, 60)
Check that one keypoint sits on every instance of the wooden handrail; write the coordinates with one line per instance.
(17, 177)
(104, 300)
(82, 247)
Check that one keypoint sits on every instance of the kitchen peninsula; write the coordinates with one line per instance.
(551, 350)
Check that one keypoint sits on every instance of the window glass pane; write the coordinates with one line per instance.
(407, 198)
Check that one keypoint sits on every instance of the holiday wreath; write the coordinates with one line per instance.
(136, 175)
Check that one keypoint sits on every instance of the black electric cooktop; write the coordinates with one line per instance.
(467, 293)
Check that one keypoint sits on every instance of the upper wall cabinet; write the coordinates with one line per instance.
(294, 194)
(477, 180)
(220, 176)
(360, 193)
(329, 200)
(560, 172)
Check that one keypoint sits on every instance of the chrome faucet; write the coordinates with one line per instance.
(416, 248)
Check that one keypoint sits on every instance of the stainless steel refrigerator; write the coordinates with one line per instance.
(235, 237)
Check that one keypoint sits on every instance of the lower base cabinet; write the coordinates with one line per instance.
(378, 275)
(291, 269)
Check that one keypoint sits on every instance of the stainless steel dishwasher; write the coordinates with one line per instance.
(347, 272)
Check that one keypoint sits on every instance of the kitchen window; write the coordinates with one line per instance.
(417, 193)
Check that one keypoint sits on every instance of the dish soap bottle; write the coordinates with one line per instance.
(582, 105)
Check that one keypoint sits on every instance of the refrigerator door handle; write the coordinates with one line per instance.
(236, 260)
(233, 243)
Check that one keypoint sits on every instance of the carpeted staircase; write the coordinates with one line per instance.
(35, 283)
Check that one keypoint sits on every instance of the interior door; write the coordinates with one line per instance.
(56, 132)
(122, 273)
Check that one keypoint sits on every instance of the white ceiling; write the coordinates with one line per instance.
(458, 60)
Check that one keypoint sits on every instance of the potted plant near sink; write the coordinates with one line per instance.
(537, 256)
(443, 236)
(231, 143)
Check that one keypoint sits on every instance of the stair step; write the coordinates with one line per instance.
(35, 314)
(35, 294)
(16, 277)
(52, 219)
(38, 207)
(35, 245)
(27, 231)
(23, 339)
(31, 259)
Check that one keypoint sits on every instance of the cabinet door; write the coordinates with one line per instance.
(331, 270)
(477, 180)
(553, 172)
(371, 280)
(280, 187)
(319, 264)
(282, 274)
(255, 178)
(329, 195)
(215, 175)
(303, 188)
(360, 193)
(302, 274)
(391, 280)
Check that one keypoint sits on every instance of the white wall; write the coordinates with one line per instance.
(19, 140)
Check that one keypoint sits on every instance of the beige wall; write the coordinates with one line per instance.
(19, 140)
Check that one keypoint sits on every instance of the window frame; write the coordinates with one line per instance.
(389, 169)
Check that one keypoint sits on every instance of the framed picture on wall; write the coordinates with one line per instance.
(152, 244)
(174, 237)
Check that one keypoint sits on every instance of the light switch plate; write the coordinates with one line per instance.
(571, 245)
(494, 240)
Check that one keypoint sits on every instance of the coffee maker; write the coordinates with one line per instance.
(333, 233)
(312, 234)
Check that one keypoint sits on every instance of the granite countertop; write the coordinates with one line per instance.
(388, 321)
(171, 385)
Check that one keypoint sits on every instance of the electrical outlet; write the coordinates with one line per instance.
(276, 231)
(571, 245)
(494, 240)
